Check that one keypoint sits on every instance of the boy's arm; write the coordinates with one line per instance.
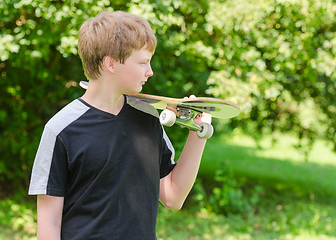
(175, 187)
(49, 217)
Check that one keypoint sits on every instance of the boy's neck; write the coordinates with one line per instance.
(104, 97)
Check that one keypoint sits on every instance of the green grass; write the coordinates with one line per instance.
(278, 166)
(291, 221)
(297, 202)
(298, 195)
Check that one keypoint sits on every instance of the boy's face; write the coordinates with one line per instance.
(134, 73)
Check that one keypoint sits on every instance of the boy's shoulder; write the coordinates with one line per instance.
(66, 116)
(75, 109)
(142, 106)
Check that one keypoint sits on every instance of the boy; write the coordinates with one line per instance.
(104, 162)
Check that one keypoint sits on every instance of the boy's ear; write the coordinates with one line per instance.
(109, 63)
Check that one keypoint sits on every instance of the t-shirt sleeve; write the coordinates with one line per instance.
(50, 166)
(168, 154)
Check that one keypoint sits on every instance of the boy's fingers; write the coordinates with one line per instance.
(206, 118)
(203, 118)
(191, 96)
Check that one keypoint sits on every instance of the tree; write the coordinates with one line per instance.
(40, 68)
(274, 58)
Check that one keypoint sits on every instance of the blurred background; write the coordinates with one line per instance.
(269, 173)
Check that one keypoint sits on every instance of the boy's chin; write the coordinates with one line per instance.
(133, 91)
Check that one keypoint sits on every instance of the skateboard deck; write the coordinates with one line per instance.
(218, 108)
(187, 108)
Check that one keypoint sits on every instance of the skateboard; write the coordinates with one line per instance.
(187, 109)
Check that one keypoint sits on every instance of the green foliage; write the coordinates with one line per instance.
(226, 195)
(38, 72)
(18, 217)
(40, 68)
(181, 61)
(274, 58)
(35, 77)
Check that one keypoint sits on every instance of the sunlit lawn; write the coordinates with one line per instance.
(296, 220)
(299, 195)
(279, 166)
(298, 200)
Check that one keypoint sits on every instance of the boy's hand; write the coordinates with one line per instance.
(204, 118)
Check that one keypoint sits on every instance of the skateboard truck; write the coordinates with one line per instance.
(186, 118)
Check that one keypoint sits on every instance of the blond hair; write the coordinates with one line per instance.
(114, 34)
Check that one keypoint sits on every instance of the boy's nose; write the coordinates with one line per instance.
(149, 72)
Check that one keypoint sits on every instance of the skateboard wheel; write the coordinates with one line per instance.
(167, 118)
(84, 84)
(206, 131)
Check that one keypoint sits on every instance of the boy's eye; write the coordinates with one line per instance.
(144, 61)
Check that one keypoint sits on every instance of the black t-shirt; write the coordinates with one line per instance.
(107, 167)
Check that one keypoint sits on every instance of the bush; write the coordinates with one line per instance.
(227, 196)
